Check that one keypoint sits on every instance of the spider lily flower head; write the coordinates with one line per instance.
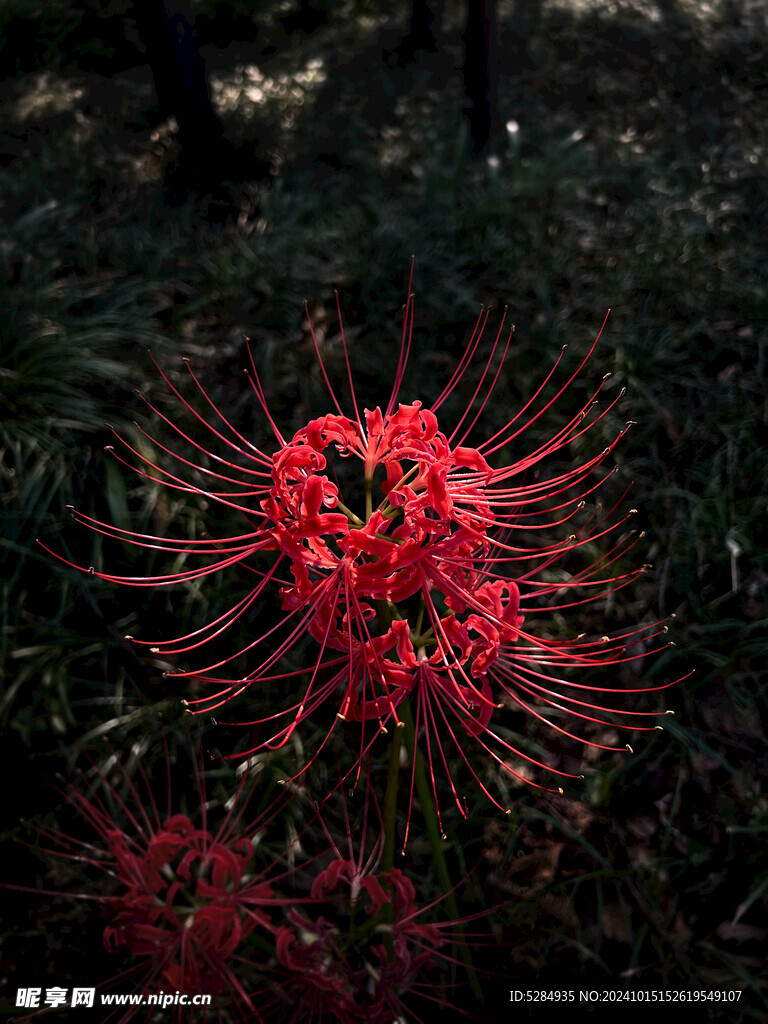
(340, 963)
(186, 902)
(360, 947)
(385, 554)
(182, 898)
(425, 587)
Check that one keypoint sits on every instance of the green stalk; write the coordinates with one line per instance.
(436, 841)
(385, 610)
(368, 498)
(349, 514)
(405, 730)
(390, 802)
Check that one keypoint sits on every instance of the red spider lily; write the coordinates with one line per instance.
(188, 901)
(340, 964)
(360, 948)
(185, 898)
(346, 942)
(426, 589)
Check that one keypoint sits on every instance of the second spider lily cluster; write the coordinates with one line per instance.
(321, 931)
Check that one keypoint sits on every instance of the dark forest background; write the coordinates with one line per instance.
(558, 157)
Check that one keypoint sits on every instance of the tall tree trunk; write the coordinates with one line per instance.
(422, 20)
(420, 36)
(481, 75)
(168, 33)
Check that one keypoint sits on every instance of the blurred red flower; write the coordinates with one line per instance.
(181, 899)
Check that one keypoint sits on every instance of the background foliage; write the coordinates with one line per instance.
(635, 178)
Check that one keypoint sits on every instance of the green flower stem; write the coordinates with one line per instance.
(387, 915)
(436, 840)
(386, 611)
(407, 731)
(349, 514)
(368, 498)
(390, 797)
(385, 508)
(390, 801)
